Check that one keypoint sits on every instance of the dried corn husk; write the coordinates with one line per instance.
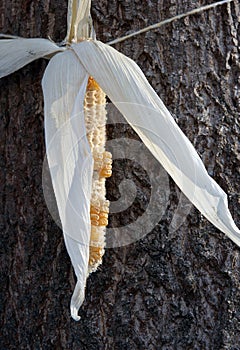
(125, 84)
(16, 53)
(78, 20)
(70, 160)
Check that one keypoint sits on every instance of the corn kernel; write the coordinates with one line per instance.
(103, 222)
(92, 85)
(105, 173)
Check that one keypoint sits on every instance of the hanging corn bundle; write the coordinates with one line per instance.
(75, 118)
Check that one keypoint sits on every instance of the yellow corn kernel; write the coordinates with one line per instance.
(99, 215)
(103, 163)
(105, 172)
(96, 254)
(94, 217)
(103, 222)
(95, 222)
(103, 217)
(94, 210)
(106, 169)
(92, 85)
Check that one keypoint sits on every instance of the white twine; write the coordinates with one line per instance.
(169, 20)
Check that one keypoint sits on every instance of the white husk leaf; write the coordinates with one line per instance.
(16, 53)
(125, 84)
(70, 161)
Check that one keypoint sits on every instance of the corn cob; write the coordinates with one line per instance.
(95, 121)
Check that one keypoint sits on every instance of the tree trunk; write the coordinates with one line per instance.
(178, 286)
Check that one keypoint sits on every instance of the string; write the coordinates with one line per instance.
(169, 20)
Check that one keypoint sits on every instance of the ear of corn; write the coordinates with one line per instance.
(64, 87)
(95, 121)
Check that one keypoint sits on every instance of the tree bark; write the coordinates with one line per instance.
(178, 286)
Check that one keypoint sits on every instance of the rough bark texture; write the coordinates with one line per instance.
(173, 289)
